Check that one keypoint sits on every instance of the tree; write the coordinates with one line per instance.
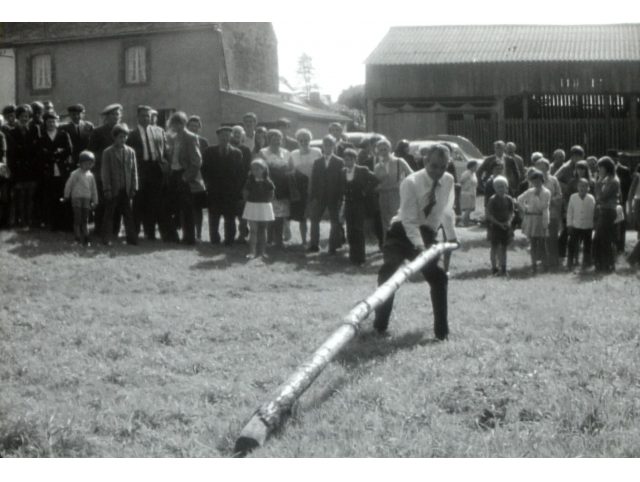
(306, 72)
(353, 97)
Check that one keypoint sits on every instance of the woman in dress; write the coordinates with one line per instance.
(302, 160)
(390, 171)
(534, 204)
(260, 141)
(278, 160)
(607, 196)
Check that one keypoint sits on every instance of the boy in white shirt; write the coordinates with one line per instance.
(580, 215)
(81, 188)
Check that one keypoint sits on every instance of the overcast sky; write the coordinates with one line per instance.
(337, 34)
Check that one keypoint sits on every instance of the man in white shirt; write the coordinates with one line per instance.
(426, 202)
(249, 121)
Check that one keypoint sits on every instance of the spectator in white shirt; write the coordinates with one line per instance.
(580, 212)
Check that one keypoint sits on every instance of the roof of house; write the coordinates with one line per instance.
(302, 110)
(451, 44)
(19, 33)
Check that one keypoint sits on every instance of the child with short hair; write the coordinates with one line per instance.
(468, 187)
(534, 204)
(499, 214)
(81, 188)
(580, 215)
(258, 193)
(496, 170)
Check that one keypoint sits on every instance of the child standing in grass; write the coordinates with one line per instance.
(534, 204)
(500, 212)
(81, 189)
(258, 193)
(580, 215)
(468, 187)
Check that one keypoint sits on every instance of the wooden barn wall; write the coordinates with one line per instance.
(499, 79)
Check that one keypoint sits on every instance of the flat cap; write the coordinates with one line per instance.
(223, 129)
(75, 108)
(50, 115)
(141, 108)
(110, 108)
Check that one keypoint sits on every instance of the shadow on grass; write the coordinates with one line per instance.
(370, 345)
(40, 242)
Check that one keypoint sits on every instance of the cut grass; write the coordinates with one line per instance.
(163, 351)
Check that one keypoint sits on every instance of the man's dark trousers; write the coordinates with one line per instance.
(180, 201)
(397, 249)
(354, 213)
(148, 203)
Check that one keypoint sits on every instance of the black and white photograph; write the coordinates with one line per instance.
(320, 230)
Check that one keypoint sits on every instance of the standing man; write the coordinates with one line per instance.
(237, 140)
(510, 149)
(185, 161)
(510, 169)
(249, 121)
(149, 143)
(426, 202)
(624, 175)
(79, 131)
(99, 140)
(336, 130)
(224, 176)
(288, 142)
(326, 193)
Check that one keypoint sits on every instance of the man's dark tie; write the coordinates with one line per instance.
(146, 137)
(431, 200)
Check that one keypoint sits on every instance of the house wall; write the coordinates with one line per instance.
(7, 77)
(184, 74)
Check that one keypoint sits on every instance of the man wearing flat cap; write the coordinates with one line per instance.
(224, 176)
(149, 143)
(79, 131)
(99, 140)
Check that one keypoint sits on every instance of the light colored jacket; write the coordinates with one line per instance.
(118, 173)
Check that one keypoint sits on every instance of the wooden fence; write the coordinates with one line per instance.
(594, 135)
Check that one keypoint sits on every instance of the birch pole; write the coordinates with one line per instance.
(272, 414)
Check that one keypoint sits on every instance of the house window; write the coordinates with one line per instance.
(135, 61)
(41, 72)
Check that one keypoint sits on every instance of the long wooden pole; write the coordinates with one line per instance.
(272, 414)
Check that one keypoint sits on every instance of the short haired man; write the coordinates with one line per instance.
(150, 144)
(288, 142)
(185, 161)
(510, 149)
(224, 176)
(426, 202)
(249, 121)
(99, 140)
(325, 194)
(237, 140)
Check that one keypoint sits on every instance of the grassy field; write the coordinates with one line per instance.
(166, 351)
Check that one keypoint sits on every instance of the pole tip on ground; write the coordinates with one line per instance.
(244, 446)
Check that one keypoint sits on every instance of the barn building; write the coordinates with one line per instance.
(543, 87)
(216, 70)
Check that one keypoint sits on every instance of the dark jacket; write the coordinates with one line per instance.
(158, 139)
(327, 185)
(189, 158)
(22, 165)
(52, 153)
(247, 156)
(99, 140)
(119, 173)
(224, 175)
(363, 184)
(79, 135)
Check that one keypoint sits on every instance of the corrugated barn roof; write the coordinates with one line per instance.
(507, 43)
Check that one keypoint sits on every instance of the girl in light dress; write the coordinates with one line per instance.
(468, 188)
(258, 193)
(534, 204)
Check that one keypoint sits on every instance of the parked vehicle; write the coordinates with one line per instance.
(356, 138)
(460, 156)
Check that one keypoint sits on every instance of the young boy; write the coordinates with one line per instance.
(119, 184)
(499, 214)
(82, 190)
(580, 215)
